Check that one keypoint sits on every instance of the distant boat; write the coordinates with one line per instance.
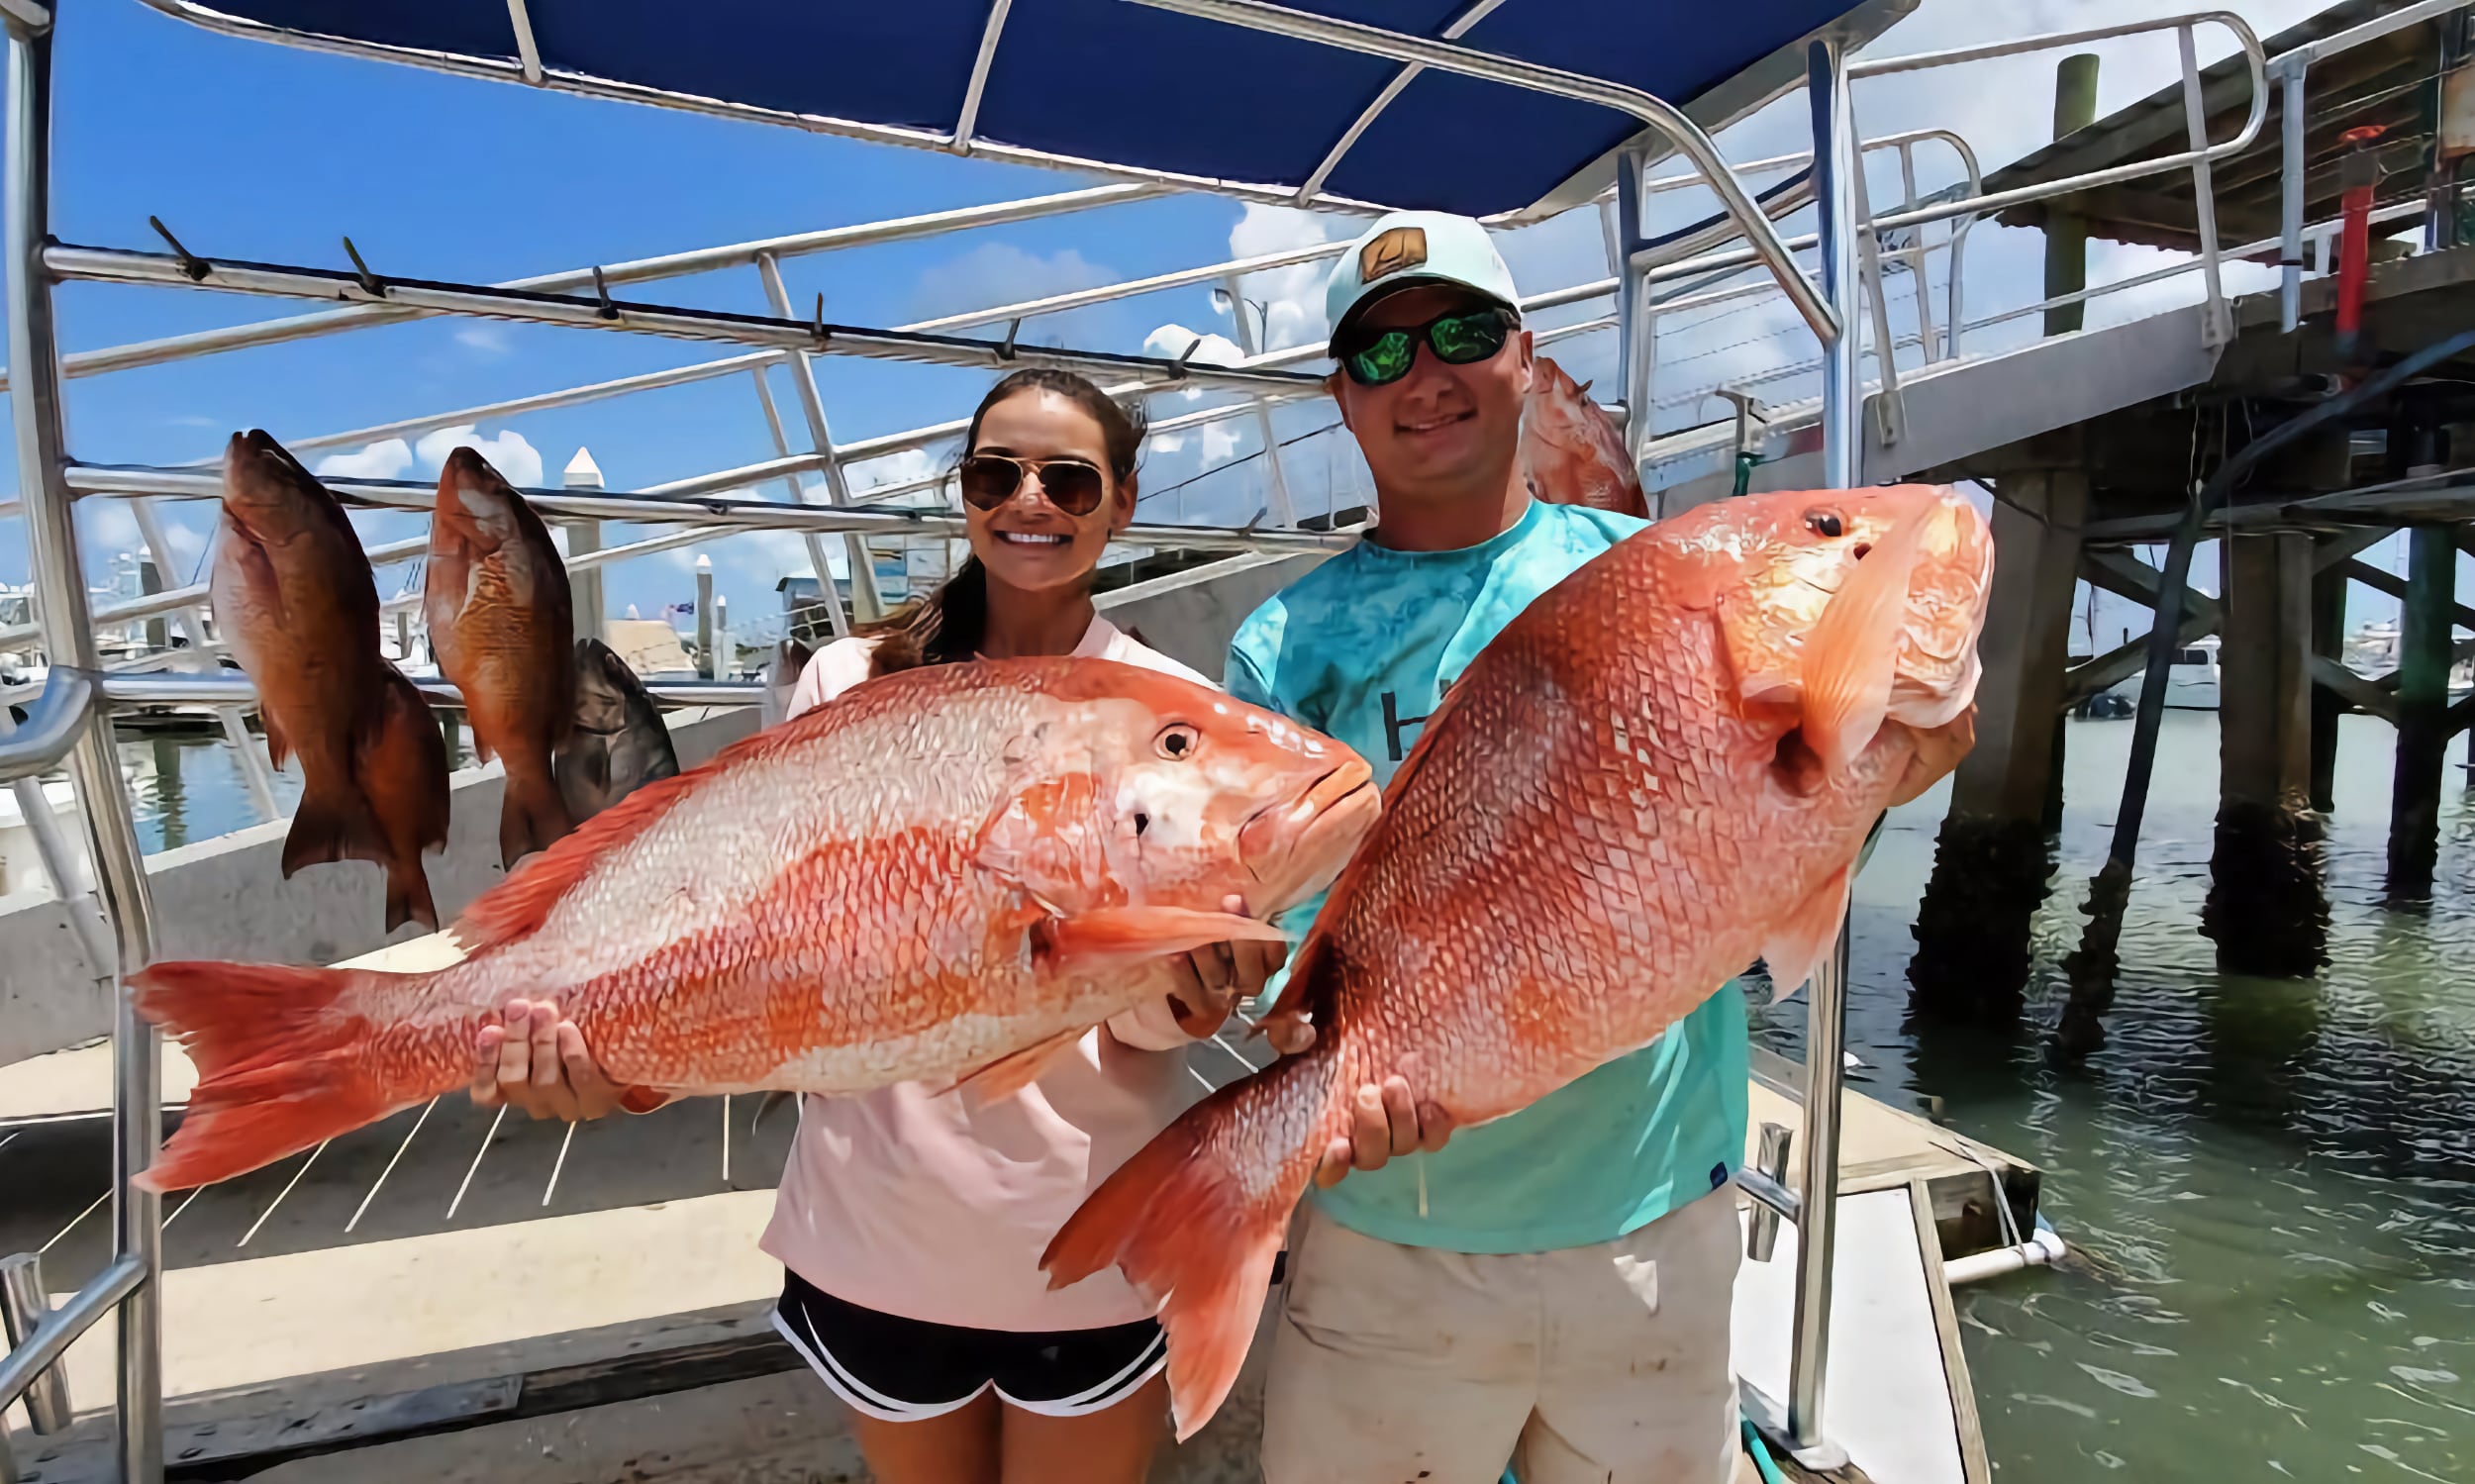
(2191, 684)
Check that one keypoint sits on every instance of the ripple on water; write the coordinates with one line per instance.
(2272, 1181)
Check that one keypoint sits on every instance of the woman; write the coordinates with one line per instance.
(911, 1225)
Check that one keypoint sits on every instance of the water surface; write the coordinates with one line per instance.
(2271, 1184)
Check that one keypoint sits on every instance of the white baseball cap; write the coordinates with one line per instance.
(1411, 248)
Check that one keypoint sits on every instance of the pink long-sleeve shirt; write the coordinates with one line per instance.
(925, 1207)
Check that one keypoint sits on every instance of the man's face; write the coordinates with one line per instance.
(1441, 430)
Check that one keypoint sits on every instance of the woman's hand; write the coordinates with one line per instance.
(536, 1062)
(1211, 980)
(1385, 1119)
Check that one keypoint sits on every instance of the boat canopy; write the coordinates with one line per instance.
(1126, 87)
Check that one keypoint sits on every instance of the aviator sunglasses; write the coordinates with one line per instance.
(1379, 357)
(989, 480)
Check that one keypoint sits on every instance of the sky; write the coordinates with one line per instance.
(253, 152)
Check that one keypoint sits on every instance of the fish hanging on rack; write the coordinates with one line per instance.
(295, 602)
(618, 742)
(1670, 761)
(1571, 450)
(950, 874)
(495, 595)
(781, 678)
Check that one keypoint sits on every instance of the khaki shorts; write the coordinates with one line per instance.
(1604, 1364)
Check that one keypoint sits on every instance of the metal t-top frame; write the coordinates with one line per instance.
(71, 722)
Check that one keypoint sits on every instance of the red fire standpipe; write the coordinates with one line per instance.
(2358, 174)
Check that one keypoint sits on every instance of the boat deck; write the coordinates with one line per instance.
(449, 1295)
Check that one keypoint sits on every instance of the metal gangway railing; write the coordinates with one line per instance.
(1839, 301)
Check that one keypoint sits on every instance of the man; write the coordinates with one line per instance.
(1552, 1287)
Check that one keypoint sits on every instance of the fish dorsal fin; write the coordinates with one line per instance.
(520, 904)
(1306, 965)
(1010, 1075)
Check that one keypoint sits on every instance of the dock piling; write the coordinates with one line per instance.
(2328, 640)
(1992, 859)
(2066, 235)
(2265, 908)
(2423, 711)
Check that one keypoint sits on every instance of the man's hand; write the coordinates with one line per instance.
(1385, 1119)
(1211, 980)
(536, 1062)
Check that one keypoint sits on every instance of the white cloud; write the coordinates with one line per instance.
(1171, 340)
(487, 341)
(387, 459)
(114, 528)
(1292, 297)
(1220, 442)
(993, 275)
(518, 462)
(894, 468)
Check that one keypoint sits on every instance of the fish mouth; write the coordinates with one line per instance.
(1298, 847)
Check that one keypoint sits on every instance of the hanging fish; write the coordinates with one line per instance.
(495, 594)
(781, 677)
(618, 742)
(1669, 762)
(294, 601)
(949, 874)
(1571, 450)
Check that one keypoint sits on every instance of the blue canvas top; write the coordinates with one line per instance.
(1125, 85)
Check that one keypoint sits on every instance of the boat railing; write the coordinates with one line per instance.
(71, 720)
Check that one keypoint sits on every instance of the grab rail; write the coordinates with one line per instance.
(52, 728)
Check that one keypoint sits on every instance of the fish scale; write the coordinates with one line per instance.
(937, 877)
(1596, 829)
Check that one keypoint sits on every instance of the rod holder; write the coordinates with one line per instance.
(24, 1306)
(1771, 1158)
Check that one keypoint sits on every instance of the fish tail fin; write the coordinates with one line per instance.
(282, 1064)
(1195, 1224)
(408, 896)
(406, 758)
(531, 817)
(334, 823)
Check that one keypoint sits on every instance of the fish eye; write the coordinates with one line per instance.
(1825, 523)
(1177, 742)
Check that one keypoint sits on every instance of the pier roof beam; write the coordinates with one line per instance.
(2396, 586)
(2127, 576)
(2124, 660)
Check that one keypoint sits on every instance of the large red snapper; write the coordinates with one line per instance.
(1662, 769)
(1571, 450)
(948, 874)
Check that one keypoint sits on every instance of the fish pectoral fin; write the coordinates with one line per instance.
(1109, 937)
(1796, 944)
(278, 745)
(1011, 1073)
(1853, 652)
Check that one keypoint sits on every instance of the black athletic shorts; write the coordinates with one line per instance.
(907, 1370)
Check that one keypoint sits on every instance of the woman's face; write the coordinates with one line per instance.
(1027, 542)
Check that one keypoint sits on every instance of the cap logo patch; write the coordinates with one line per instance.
(1397, 250)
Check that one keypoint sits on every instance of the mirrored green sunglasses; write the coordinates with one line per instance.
(1377, 357)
